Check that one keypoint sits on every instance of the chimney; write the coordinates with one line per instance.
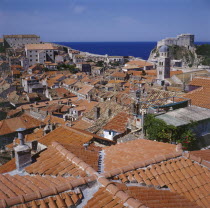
(22, 151)
(97, 112)
(179, 147)
(85, 146)
(109, 113)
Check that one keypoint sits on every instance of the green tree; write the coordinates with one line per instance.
(204, 51)
(157, 129)
(100, 63)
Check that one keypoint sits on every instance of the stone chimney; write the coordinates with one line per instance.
(97, 112)
(22, 151)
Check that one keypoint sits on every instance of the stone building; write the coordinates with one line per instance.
(17, 41)
(40, 53)
(186, 40)
(114, 59)
(163, 66)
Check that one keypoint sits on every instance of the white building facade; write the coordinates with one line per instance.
(40, 53)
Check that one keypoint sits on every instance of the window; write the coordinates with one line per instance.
(110, 132)
(30, 55)
(36, 59)
(30, 59)
(160, 73)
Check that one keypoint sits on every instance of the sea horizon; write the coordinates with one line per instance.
(139, 49)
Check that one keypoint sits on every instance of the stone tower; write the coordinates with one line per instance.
(163, 67)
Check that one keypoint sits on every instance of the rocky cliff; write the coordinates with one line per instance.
(188, 56)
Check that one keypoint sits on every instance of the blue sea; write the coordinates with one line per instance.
(137, 49)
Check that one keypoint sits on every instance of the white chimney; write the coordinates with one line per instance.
(22, 151)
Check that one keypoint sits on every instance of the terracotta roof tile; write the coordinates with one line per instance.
(7, 167)
(200, 81)
(175, 72)
(66, 135)
(119, 74)
(139, 63)
(56, 161)
(118, 123)
(185, 177)
(46, 46)
(137, 150)
(202, 154)
(10, 125)
(199, 97)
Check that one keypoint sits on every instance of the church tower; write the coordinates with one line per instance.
(163, 67)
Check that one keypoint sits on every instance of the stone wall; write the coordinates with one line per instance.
(186, 40)
(16, 42)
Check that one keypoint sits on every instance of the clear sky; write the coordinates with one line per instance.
(105, 20)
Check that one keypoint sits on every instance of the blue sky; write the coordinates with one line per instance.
(105, 20)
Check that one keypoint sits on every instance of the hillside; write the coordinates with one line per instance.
(188, 56)
(203, 51)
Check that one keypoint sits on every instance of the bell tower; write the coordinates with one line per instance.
(163, 67)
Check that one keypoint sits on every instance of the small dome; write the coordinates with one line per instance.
(164, 49)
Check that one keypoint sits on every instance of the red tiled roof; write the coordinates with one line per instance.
(200, 155)
(54, 119)
(88, 105)
(135, 73)
(62, 92)
(67, 199)
(45, 46)
(16, 72)
(149, 197)
(10, 125)
(85, 89)
(180, 175)
(55, 161)
(65, 135)
(119, 155)
(103, 198)
(119, 74)
(118, 123)
(81, 124)
(199, 97)
(7, 167)
(175, 72)
(139, 63)
(151, 72)
(69, 81)
(154, 198)
(95, 136)
(200, 81)
(36, 190)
